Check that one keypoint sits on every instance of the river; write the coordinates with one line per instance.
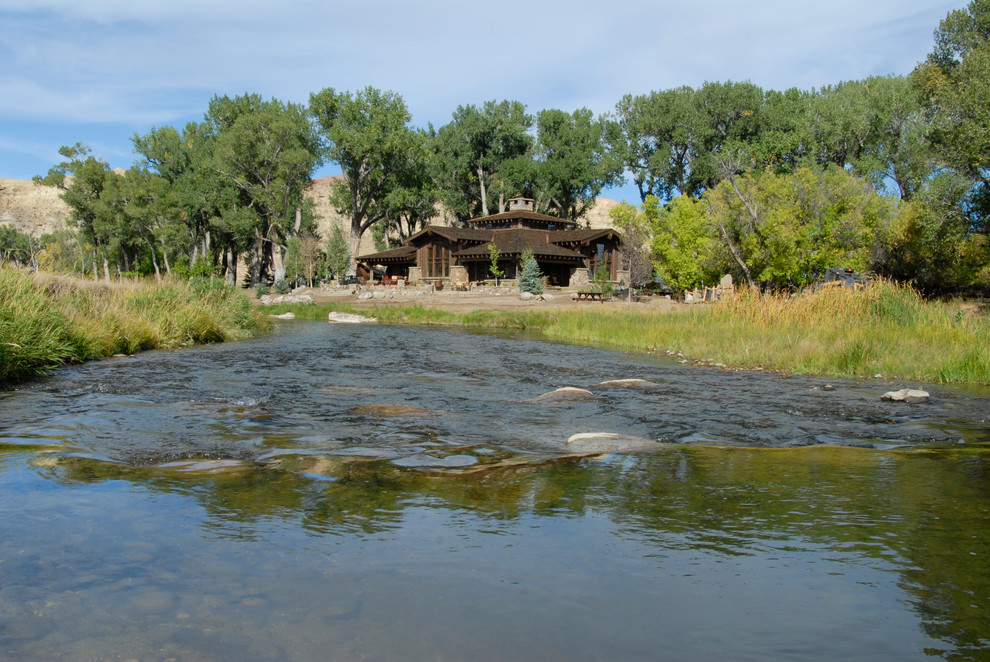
(370, 492)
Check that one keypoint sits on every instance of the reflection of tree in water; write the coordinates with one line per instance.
(925, 516)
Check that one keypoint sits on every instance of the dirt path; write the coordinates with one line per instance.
(466, 302)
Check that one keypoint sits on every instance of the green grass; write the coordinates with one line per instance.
(887, 329)
(47, 320)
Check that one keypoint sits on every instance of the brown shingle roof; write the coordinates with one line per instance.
(454, 234)
(520, 214)
(516, 241)
(400, 254)
(581, 236)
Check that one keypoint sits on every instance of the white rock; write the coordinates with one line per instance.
(526, 296)
(609, 442)
(284, 316)
(564, 393)
(546, 296)
(349, 318)
(364, 296)
(906, 395)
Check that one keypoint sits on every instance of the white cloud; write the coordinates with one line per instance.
(160, 61)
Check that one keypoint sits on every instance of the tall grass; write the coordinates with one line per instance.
(47, 319)
(886, 329)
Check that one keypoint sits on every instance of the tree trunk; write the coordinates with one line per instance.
(484, 191)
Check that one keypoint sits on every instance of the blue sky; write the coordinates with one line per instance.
(99, 71)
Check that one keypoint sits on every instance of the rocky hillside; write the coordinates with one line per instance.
(31, 208)
(37, 209)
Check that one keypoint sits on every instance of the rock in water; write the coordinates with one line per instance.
(609, 442)
(637, 384)
(906, 395)
(563, 394)
(349, 318)
(284, 316)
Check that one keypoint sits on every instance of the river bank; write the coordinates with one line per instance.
(47, 320)
(887, 331)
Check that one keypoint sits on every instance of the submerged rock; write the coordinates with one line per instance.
(609, 442)
(426, 460)
(394, 410)
(350, 318)
(205, 466)
(564, 394)
(905, 395)
(636, 384)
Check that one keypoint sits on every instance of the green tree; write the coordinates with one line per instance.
(267, 150)
(338, 254)
(17, 247)
(954, 83)
(931, 245)
(530, 277)
(785, 230)
(683, 244)
(576, 159)
(658, 134)
(635, 249)
(494, 255)
(81, 179)
(367, 134)
(474, 150)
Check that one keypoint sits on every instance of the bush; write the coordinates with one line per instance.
(281, 286)
(262, 290)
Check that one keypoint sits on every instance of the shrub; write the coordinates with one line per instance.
(281, 286)
(262, 290)
(530, 280)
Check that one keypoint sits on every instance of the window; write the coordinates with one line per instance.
(437, 258)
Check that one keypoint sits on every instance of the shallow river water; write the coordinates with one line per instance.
(369, 492)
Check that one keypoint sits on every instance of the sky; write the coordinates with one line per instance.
(100, 71)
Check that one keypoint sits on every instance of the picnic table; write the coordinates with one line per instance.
(588, 295)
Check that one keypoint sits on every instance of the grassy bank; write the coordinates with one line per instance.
(47, 320)
(887, 329)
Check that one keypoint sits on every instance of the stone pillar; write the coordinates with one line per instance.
(415, 274)
(458, 275)
(579, 279)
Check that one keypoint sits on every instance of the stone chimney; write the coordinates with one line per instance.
(520, 204)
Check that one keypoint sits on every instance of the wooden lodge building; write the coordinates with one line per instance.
(567, 256)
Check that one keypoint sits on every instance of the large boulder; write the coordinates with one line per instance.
(565, 394)
(609, 442)
(906, 395)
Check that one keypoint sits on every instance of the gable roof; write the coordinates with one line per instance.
(400, 254)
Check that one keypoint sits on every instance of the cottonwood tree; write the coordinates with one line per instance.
(575, 161)
(267, 150)
(81, 179)
(954, 84)
(368, 135)
(474, 150)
